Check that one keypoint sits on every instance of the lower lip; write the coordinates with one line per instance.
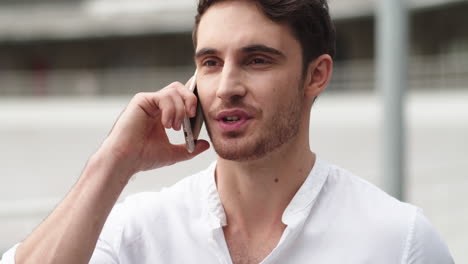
(234, 126)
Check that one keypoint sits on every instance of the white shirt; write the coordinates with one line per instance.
(334, 218)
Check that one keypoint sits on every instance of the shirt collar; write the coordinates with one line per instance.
(214, 207)
(295, 212)
(304, 199)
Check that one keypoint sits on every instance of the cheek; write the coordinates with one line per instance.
(276, 87)
(206, 92)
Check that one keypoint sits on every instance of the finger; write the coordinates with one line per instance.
(179, 111)
(181, 150)
(189, 100)
(200, 146)
(167, 106)
(175, 90)
(148, 102)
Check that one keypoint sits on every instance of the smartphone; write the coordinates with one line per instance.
(192, 126)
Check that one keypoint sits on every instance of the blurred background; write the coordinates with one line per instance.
(69, 67)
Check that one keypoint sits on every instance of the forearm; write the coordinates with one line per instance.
(137, 142)
(70, 233)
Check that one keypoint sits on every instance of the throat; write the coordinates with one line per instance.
(252, 247)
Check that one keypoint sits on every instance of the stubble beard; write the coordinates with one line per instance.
(280, 129)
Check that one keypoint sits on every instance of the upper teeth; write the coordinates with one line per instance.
(232, 118)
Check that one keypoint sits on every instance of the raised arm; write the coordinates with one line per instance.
(137, 142)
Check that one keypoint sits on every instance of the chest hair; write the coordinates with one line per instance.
(243, 253)
(254, 250)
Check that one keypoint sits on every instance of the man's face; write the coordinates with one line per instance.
(249, 80)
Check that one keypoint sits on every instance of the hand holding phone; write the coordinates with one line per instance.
(192, 126)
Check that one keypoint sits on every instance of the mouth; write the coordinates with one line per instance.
(232, 116)
(233, 120)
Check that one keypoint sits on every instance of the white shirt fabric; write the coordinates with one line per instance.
(334, 218)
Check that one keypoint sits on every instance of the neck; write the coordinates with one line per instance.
(256, 193)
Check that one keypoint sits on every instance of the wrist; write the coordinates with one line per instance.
(109, 169)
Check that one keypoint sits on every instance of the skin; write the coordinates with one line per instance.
(255, 184)
(270, 85)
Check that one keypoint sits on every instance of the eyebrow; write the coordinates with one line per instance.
(262, 48)
(247, 49)
(204, 52)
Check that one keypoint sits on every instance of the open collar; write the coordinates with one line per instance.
(296, 211)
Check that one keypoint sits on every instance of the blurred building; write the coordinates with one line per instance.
(108, 47)
(119, 47)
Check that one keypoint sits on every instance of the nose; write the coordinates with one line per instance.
(231, 86)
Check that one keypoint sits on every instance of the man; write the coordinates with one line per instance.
(267, 198)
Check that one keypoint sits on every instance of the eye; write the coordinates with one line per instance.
(210, 63)
(258, 61)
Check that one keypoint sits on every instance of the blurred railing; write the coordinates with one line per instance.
(425, 72)
(434, 72)
(89, 82)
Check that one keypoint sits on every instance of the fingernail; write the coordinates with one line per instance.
(192, 111)
(178, 125)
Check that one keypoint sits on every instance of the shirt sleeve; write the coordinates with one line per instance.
(9, 256)
(108, 245)
(425, 245)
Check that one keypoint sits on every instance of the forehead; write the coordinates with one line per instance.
(238, 23)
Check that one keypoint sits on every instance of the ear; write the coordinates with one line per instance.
(318, 75)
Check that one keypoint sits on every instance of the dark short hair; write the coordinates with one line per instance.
(309, 21)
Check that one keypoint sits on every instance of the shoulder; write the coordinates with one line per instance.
(139, 215)
(364, 211)
(424, 245)
(364, 198)
(181, 199)
(382, 220)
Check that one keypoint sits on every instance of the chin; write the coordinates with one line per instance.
(245, 149)
(237, 153)
(234, 147)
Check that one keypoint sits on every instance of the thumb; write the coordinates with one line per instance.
(200, 146)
